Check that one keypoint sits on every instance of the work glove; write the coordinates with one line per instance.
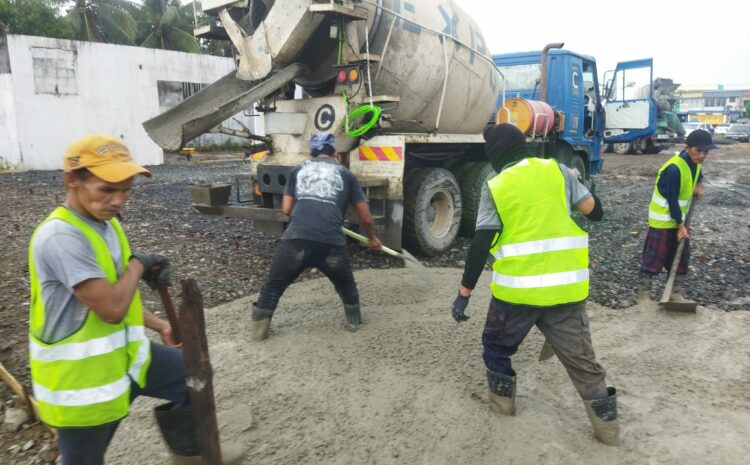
(157, 271)
(458, 308)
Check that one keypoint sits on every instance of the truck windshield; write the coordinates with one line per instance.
(521, 77)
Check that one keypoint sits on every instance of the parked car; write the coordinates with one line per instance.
(690, 127)
(739, 132)
(721, 129)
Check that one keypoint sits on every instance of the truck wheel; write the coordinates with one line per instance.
(578, 162)
(608, 148)
(432, 210)
(472, 181)
(649, 148)
(623, 148)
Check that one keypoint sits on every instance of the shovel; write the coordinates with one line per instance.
(664, 302)
(409, 260)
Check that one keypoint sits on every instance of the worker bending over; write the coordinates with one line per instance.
(317, 195)
(540, 273)
(89, 354)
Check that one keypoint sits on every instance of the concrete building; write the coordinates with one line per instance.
(54, 91)
(711, 104)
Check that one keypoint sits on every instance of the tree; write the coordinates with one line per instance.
(34, 18)
(168, 25)
(108, 21)
(747, 109)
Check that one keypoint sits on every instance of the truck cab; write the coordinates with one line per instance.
(568, 84)
(639, 108)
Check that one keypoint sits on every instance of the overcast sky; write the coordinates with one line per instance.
(694, 43)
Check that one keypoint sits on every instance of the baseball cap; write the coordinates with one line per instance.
(701, 139)
(105, 156)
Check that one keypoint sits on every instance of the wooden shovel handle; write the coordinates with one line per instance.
(166, 300)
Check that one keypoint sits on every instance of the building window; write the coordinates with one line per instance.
(54, 71)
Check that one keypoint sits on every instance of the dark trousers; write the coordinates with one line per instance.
(294, 256)
(566, 328)
(165, 380)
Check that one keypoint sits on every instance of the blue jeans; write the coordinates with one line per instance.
(165, 380)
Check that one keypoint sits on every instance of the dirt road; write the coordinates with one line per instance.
(409, 388)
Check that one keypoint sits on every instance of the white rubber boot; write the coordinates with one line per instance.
(502, 395)
(603, 416)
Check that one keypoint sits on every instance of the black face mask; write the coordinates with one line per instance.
(500, 159)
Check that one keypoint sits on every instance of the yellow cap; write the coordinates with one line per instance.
(105, 156)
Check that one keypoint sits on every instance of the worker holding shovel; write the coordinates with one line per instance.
(678, 179)
(89, 354)
(541, 274)
(317, 195)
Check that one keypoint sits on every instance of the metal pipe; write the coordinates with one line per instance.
(543, 80)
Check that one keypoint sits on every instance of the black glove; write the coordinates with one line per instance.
(157, 271)
(458, 308)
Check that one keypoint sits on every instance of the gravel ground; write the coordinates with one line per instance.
(229, 260)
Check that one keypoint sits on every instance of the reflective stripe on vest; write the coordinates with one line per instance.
(541, 259)
(84, 379)
(659, 216)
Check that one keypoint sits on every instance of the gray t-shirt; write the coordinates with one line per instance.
(64, 258)
(323, 190)
(488, 218)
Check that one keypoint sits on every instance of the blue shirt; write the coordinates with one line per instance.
(669, 185)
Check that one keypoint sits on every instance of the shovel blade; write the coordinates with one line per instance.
(411, 262)
(685, 307)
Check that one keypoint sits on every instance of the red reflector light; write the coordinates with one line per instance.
(341, 77)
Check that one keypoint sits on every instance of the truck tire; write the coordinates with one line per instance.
(609, 148)
(624, 148)
(472, 181)
(649, 148)
(432, 210)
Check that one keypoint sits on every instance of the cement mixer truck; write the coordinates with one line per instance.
(407, 87)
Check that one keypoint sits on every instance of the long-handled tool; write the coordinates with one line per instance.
(409, 260)
(664, 302)
(166, 300)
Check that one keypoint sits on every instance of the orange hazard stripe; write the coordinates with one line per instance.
(381, 153)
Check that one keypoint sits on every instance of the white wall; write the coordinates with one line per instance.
(114, 91)
(10, 150)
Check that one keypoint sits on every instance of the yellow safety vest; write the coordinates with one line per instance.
(84, 379)
(541, 255)
(659, 216)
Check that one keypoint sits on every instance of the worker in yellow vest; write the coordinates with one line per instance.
(540, 273)
(675, 184)
(89, 354)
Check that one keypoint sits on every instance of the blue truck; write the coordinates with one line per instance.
(553, 96)
(640, 110)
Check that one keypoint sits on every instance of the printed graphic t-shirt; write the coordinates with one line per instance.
(323, 190)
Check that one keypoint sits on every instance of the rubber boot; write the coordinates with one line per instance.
(644, 287)
(502, 395)
(178, 428)
(260, 323)
(353, 317)
(603, 416)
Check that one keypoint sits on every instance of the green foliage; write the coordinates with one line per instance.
(109, 21)
(168, 25)
(34, 18)
(747, 109)
(162, 24)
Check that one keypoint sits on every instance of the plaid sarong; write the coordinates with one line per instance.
(659, 250)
